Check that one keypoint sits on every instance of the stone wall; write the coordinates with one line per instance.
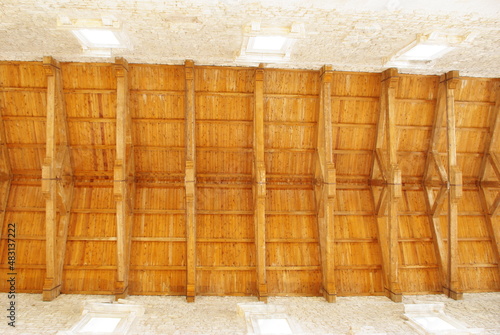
(218, 315)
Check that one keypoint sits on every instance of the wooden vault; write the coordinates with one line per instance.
(197, 180)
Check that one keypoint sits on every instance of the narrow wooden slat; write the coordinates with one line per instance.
(388, 226)
(190, 181)
(124, 186)
(452, 288)
(57, 180)
(259, 185)
(325, 186)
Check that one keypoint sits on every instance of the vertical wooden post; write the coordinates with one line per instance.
(57, 181)
(491, 155)
(388, 164)
(123, 178)
(325, 186)
(259, 187)
(5, 174)
(455, 177)
(190, 182)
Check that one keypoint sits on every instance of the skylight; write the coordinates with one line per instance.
(425, 51)
(101, 325)
(270, 43)
(274, 326)
(99, 37)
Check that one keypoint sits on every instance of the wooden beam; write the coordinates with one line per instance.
(452, 288)
(190, 182)
(325, 186)
(259, 185)
(123, 178)
(492, 224)
(433, 158)
(434, 207)
(57, 181)
(386, 151)
(492, 140)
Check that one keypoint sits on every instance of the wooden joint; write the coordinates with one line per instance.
(121, 67)
(391, 76)
(50, 65)
(326, 73)
(189, 69)
(451, 78)
(259, 73)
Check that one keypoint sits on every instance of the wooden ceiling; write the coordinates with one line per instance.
(197, 180)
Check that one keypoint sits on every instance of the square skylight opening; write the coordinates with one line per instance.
(98, 38)
(274, 326)
(433, 323)
(425, 51)
(267, 43)
(100, 325)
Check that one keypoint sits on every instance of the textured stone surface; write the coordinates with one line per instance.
(351, 35)
(218, 315)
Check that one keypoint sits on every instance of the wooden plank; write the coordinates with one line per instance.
(433, 208)
(492, 225)
(123, 178)
(259, 185)
(57, 180)
(432, 153)
(325, 186)
(492, 140)
(190, 181)
(389, 237)
(452, 288)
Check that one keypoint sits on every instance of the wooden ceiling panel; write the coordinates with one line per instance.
(152, 106)
(227, 226)
(218, 134)
(472, 115)
(476, 89)
(23, 103)
(92, 225)
(289, 162)
(354, 200)
(353, 164)
(26, 160)
(171, 225)
(415, 113)
(301, 227)
(363, 111)
(91, 133)
(224, 162)
(93, 254)
(470, 141)
(159, 134)
(355, 139)
(289, 200)
(281, 109)
(97, 160)
(93, 198)
(352, 227)
(411, 164)
(22, 74)
(224, 199)
(90, 105)
(417, 87)
(286, 136)
(24, 131)
(351, 84)
(159, 160)
(414, 227)
(413, 139)
(291, 82)
(88, 76)
(156, 77)
(219, 79)
(159, 198)
(228, 108)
